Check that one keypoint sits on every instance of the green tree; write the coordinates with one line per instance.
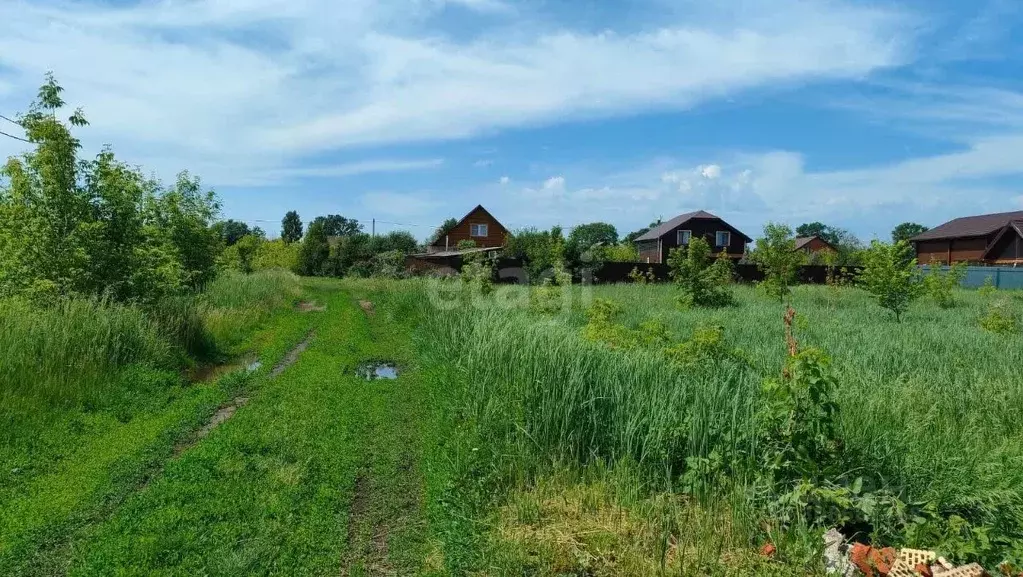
(776, 256)
(632, 236)
(291, 227)
(443, 229)
(542, 251)
(399, 240)
(232, 231)
(817, 229)
(337, 225)
(890, 275)
(907, 230)
(312, 258)
(703, 282)
(99, 227)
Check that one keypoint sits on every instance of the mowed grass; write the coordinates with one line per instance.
(928, 409)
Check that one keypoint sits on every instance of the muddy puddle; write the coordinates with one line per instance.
(377, 370)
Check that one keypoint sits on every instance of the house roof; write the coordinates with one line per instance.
(802, 241)
(970, 226)
(466, 217)
(1015, 226)
(668, 226)
(449, 253)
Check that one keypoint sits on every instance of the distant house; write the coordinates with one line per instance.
(986, 239)
(478, 226)
(812, 244)
(655, 245)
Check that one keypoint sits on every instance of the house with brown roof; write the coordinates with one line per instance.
(657, 242)
(812, 244)
(986, 239)
(478, 226)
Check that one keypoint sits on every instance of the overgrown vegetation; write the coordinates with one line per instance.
(940, 284)
(97, 228)
(703, 283)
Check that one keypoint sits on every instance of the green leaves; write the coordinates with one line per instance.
(96, 227)
(776, 256)
(890, 275)
(703, 284)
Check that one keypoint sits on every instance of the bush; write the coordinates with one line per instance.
(702, 283)
(1000, 318)
(776, 255)
(940, 285)
(890, 275)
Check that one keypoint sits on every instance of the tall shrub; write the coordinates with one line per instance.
(703, 282)
(776, 255)
(890, 275)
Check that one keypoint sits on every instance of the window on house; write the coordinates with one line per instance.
(684, 236)
(478, 230)
(722, 238)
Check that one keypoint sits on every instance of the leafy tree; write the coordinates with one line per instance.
(776, 256)
(312, 258)
(291, 227)
(351, 255)
(828, 233)
(541, 251)
(632, 236)
(623, 252)
(337, 225)
(400, 240)
(890, 275)
(907, 230)
(99, 227)
(585, 236)
(277, 254)
(232, 231)
(702, 281)
(443, 229)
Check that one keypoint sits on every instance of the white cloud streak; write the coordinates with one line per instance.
(230, 87)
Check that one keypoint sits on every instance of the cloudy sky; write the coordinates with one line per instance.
(858, 114)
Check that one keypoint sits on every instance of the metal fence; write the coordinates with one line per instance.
(1002, 277)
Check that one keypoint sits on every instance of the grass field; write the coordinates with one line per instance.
(510, 443)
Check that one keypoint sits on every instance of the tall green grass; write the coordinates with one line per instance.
(928, 408)
(70, 354)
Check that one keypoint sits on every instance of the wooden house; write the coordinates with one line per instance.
(991, 239)
(655, 245)
(478, 226)
(813, 244)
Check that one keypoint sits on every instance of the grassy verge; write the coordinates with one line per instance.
(69, 460)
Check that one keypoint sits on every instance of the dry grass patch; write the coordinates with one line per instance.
(604, 529)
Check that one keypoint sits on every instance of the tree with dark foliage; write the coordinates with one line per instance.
(291, 227)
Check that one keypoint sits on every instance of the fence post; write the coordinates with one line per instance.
(998, 277)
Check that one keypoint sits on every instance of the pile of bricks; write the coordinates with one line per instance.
(887, 562)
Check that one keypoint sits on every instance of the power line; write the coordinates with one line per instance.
(11, 121)
(15, 137)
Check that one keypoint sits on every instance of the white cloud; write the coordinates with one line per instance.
(227, 87)
(505, 180)
(483, 163)
(554, 184)
(710, 171)
(348, 169)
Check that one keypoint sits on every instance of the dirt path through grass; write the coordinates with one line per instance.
(319, 473)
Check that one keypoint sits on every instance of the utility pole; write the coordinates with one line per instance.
(374, 229)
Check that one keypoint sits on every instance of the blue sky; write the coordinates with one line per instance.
(858, 114)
